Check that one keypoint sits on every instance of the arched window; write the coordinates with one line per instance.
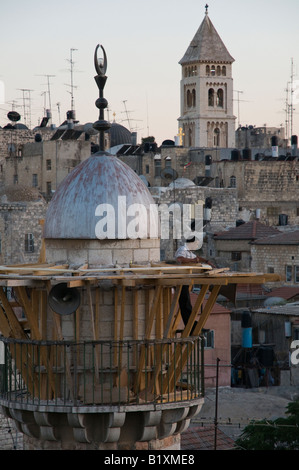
(216, 137)
(220, 98)
(218, 70)
(168, 162)
(211, 97)
(224, 71)
(213, 70)
(193, 98)
(207, 70)
(233, 181)
(189, 99)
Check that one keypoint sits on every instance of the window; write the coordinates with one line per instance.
(233, 182)
(34, 181)
(29, 243)
(288, 273)
(207, 70)
(157, 167)
(216, 137)
(220, 98)
(211, 97)
(296, 273)
(273, 211)
(168, 162)
(49, 188)
(208, 338)
(236, 255)
(147, 169)
(213, 70)
(15, 179)
(49, 164)
(224, 70)
(270, 270)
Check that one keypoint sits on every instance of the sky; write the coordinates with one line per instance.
(144, 41)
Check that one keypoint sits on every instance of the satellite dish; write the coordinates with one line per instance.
(13, 116)
(89, 129)
(169, 174)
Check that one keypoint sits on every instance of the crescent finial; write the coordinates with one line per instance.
(100, 66)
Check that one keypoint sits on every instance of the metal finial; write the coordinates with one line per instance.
(101, 103)
(206, 7)
(100, 64)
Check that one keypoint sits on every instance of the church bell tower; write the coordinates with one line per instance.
(207, 118)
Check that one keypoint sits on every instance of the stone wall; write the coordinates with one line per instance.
(17, 220)
(223, 213)
(270, 186)
(266, 258)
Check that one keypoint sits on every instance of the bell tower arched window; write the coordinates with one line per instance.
(220, 98)
(211, 97)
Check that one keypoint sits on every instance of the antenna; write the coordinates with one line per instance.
(72, 78)
(126, 111)
(292, 93)
(238, 99)
(49, 91)
(26, 105)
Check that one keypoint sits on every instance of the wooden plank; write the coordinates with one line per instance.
(92, 321)
(148, 331)
(115, 326)
(182, 359)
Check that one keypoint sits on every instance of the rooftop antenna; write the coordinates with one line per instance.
(49, 90)
(72, 86)
(238, 99)
(26, 105)
(292, 100)
(126, 111)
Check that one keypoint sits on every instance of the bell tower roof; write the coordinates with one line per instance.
(206, 46)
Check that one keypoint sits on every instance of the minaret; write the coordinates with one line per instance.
(207, 118)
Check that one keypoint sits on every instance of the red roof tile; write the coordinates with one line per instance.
(202, 438)
(282, 238)
(248, 231)
(284, 292)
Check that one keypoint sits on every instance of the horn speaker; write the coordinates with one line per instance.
(64, 300)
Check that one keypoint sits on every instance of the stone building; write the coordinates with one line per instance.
(233, 247)
(21, 211)
(266, 189)
(207, 118)
(278, 254)
(43, 165)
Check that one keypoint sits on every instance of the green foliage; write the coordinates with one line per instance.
(149, 139)
(278, 434)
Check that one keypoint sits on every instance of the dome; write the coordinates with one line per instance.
(119, 135)
(181, 183)
(99, 189)
(19, 193)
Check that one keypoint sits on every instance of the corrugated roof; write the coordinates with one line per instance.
(288, 238)
(248, 231)
(287, 310)
(206, 46)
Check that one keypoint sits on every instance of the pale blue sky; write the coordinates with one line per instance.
(144, 41)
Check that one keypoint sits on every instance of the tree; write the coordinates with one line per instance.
(278, 434)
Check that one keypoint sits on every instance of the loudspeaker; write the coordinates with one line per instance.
(64, 300)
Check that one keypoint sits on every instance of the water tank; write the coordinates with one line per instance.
(235, 155)
(246, 319)
(246, 154)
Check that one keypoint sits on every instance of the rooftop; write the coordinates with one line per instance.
(206, 46)
(248, 231)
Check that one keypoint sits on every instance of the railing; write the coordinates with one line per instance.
(101, 373)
